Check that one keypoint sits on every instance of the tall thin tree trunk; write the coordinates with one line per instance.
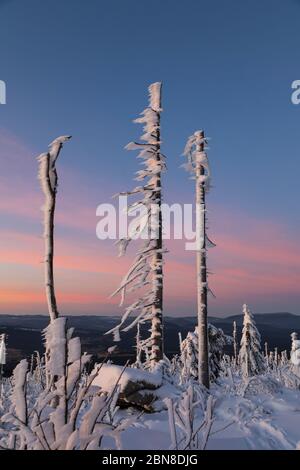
(235, 349)
(157, 341)
(48, 178)
(148, 265)
(49, 246)
(203, 366)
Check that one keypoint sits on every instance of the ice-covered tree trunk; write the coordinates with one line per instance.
(48, 179)
(157, 346)
(198, 165)
(203, 368)
(147, 270)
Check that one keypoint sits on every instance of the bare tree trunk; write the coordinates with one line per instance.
(49, 247)
(48, 178)
(157, 344)
(203, 366)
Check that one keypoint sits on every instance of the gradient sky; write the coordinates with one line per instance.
(82, 68)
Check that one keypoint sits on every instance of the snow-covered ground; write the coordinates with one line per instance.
(56, 403)
(267, 421)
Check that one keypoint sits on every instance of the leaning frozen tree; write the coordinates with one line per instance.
(198, 166)
(49, 181)
(251, 359)
(146, 272)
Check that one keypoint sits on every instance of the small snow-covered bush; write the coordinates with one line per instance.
(259, 385)
(190, 429)
(70, 412)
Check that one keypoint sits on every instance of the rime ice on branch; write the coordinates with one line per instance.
(199, 167)
(48, 178)
(146, 271)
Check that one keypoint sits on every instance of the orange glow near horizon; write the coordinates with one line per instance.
(253, 259)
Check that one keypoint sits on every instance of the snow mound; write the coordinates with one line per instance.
(128, 379)
(136, 387)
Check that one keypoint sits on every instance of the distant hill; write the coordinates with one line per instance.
(24, 333)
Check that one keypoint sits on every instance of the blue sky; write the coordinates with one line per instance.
(83, 68)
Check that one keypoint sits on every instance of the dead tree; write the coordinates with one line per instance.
(199, 167)
(146, 271)
(48, 179)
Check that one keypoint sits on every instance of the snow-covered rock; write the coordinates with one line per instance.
(136, 387)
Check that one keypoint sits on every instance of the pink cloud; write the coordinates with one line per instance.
(254, 258)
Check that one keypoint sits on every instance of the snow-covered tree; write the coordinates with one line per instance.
(198, 166)
(49, 181)
(146, 272)
(217, 340)
(235, 346)
(251, 360)
(295, 351)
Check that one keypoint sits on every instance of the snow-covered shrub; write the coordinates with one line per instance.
(189, 352)
(288, 377)
(259, 385)
(251, 360)
(190, 418)
(70, 413)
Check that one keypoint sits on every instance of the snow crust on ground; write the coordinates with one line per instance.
(264, 421)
